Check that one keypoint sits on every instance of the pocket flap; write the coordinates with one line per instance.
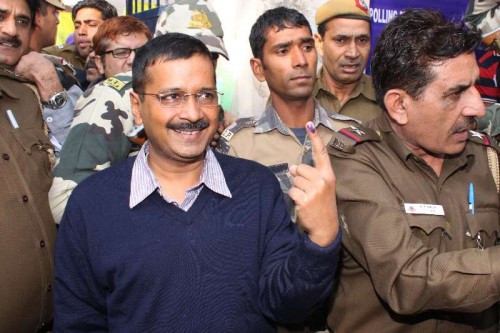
(427, 223)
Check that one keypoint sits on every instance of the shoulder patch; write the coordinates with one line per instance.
(484, 139)
(240, 123)
(347, 138)
(115, 83)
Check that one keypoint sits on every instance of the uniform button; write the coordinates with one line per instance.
(49, 119)
(42, 325)
(49, 288)
(25, 198)
(6, 157)
(42, 243)
(468, 234)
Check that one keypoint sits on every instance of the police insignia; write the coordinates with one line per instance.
(227, 135)
(361, 4)
(115, 83)
(352, 133)
(199, 20)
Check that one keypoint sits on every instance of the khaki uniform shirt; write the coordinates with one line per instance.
(267, 140)
(361, 105)
(404, 269)
(68, 53)
(27, 230)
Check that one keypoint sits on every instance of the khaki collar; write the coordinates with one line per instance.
(364, 86)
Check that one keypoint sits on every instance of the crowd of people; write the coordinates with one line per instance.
(133, 202)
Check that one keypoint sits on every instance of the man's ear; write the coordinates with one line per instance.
(318, 43)
(135, 103)
(99, 64)
(395, 101)
(257, 69)
(38, 20)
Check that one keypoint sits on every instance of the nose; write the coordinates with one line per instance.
(475, 106)
(298, 58)
(82, 30)
(191, 110)
(9, 27)
(352, 50)
(130, 59)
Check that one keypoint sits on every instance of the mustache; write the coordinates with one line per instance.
(201, 124)
(466, 126)
(14, 40)
(90, 64)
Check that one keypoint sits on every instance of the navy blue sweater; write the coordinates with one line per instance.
(227, 265)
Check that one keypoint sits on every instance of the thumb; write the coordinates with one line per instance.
(320, 154)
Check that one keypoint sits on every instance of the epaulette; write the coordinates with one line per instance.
(347, 138)
(115, 83)
(484, 139)
(236, 126)
(338, 116)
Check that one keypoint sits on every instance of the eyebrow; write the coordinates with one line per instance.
(457, 89)
(8, 12)
(301, 40)
(85, 21)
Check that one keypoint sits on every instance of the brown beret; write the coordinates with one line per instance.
(356, 9)
(56, 3)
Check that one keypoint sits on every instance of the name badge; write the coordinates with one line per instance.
(423, 209)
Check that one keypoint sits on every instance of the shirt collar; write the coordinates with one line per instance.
(269, 120)
(405, 154)
(364, 86)
(143, 182)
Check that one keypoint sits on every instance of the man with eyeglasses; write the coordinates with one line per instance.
(182, 239)
(102, 114)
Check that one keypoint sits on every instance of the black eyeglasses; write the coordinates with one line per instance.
(121, 52)
(175, 99)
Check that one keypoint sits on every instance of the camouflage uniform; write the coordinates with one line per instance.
(194, 18)
(97, 138)
(267, 140)
(361, 105)
(490, 123)
(482, 14)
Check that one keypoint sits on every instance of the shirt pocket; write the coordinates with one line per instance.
(428, 228)
(483, 226)
(34, 143)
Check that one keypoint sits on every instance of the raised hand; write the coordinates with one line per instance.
(313, 191)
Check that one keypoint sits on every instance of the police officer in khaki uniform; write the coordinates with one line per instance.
(87, 16)
(284, 57)
(27, 231)
(343, 41)
(418, 191)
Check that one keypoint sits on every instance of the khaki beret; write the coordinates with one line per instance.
(356, 9)
(56, 3)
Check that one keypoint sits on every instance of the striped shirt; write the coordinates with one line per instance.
(144, 182)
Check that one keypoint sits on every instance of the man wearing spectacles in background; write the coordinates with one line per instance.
(100, 117)
(182, 239)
